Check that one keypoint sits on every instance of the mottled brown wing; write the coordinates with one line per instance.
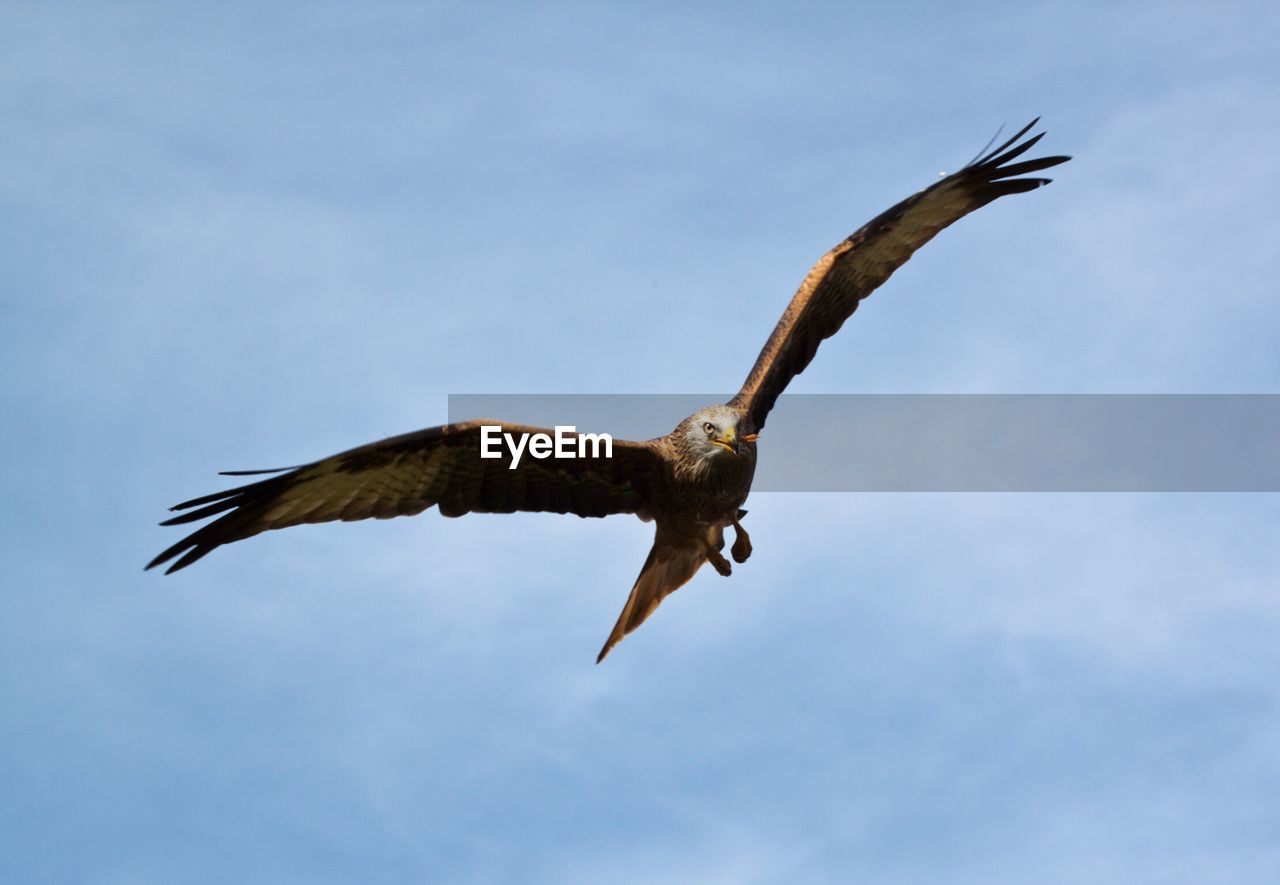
(407, 474)
(854, 269)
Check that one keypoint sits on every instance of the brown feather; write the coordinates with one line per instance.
(836, 285)
(690, 498)
(667, 569)
(407, 474)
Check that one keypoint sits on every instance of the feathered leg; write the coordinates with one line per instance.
(741, 549)
(714, 542)
(718, 562)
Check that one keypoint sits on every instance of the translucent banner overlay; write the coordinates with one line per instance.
(959, 442)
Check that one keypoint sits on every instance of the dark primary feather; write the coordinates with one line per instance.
(407, 474)
(854, 269)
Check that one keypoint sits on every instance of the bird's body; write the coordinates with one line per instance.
(703, 486)
(692, 483)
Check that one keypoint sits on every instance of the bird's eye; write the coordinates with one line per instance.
(709, 428)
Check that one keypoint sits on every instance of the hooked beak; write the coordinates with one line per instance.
(729, 442)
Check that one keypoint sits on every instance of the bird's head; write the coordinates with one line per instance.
(717, 431)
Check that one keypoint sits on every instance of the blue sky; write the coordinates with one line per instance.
(246, 235)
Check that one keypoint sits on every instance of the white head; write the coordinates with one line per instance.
(716, 431)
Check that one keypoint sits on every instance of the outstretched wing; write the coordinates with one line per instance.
(854, 269)
(407, 474)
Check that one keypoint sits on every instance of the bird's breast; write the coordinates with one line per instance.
(712, 492)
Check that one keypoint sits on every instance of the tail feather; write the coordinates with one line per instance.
(666, 570)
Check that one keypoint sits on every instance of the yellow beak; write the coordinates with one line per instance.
(729, 441)
(726, 441)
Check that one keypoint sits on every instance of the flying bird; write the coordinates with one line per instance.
(691, 483)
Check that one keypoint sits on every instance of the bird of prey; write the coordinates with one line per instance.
(691, 483)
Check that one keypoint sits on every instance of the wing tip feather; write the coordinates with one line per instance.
(987, 153)
(166, 555)
(190, 549)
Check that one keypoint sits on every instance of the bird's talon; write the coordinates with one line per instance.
(719, 562)
(741, 548)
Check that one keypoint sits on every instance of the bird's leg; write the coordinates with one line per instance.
(716, 558)
(741, 548)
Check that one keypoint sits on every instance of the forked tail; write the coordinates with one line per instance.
(666, 570)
